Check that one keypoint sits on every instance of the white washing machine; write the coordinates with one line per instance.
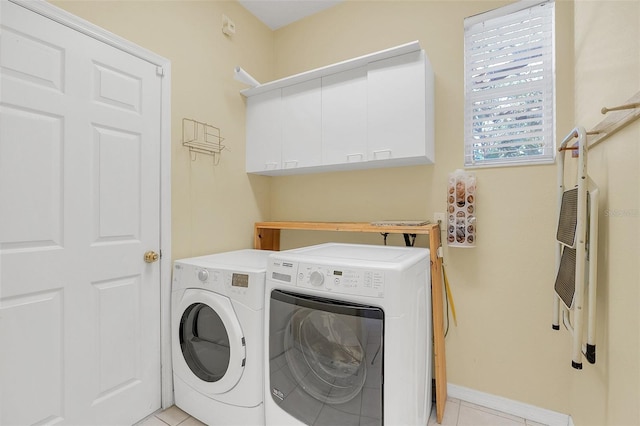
(348, 336)
(217, 336)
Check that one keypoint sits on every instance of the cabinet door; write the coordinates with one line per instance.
(301, 126)
(264, 132)
(344, 117)
(397, 107)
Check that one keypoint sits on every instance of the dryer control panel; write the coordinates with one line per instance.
(328, 278)
(246, 287)
(226, 282)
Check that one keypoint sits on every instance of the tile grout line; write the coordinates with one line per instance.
(161, 420)
(178, 424)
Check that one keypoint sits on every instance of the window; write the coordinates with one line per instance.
(509, 85)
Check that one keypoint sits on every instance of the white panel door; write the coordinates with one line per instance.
(79, 206)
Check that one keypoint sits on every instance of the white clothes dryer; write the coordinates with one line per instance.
(217, 336)
(348, 336)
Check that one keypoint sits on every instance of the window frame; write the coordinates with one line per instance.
(477, 141)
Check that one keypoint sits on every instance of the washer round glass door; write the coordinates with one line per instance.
(211, 341)
(325, 345)
(326, 359)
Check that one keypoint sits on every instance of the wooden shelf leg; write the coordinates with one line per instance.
(438, 324)
(266, 239)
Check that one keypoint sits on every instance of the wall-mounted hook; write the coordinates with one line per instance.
(605, 110)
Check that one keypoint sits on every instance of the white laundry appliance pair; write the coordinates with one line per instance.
(332, 334)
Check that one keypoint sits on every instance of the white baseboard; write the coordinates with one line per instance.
(509, 406)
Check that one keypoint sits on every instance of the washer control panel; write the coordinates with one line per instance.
(328, 278)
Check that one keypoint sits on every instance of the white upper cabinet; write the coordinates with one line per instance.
(344, 117)
(371, 111)
(301, 125)
(397, 110)
(264, 132)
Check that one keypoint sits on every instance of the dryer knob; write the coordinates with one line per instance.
(203, 275)
(316, 278)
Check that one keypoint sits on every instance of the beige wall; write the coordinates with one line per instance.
(503, 288)
(213, 206)
(607, 59)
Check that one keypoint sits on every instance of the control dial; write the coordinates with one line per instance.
(203, 275)
(316, 278)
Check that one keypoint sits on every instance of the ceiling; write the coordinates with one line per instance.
(278, 13)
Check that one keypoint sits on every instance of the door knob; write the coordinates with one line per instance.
(151, 256)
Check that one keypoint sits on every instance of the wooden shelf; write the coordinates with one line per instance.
(267, 237)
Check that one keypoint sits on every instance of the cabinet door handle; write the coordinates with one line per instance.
(290, 164)
(352, 158)
(270, 166)
(377, 155)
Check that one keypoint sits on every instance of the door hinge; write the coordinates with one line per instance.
(160, 71)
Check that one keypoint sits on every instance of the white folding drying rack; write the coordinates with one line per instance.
(576, 252)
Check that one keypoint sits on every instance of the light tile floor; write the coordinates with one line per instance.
(172, 416)
(456, 413)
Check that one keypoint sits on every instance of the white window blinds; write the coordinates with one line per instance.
(509, 85)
